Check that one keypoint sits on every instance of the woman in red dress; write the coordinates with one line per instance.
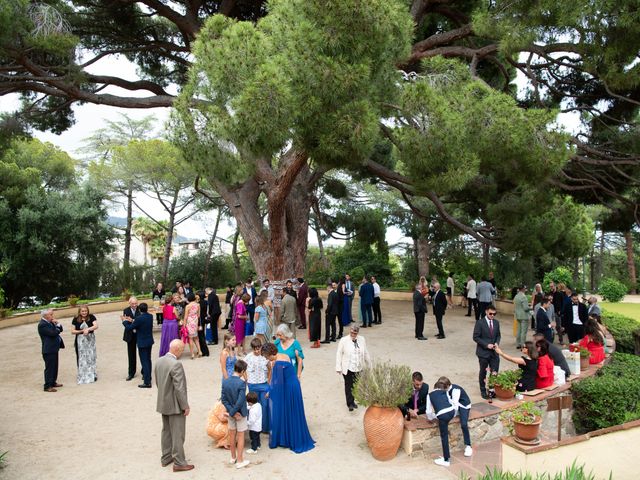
(593, 341)
(544, 377)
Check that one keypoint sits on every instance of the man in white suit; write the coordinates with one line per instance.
(173, 405)
(352, 356)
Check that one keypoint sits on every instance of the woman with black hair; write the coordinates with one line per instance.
(315, 315)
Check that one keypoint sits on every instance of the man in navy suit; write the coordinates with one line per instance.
(143, 324)
(129, 336)
(49, 330)
(417, 403)
(439, 301)
(366, 302)
(486, 334)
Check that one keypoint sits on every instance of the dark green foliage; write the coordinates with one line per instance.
(221, 270)
(358, 260)
(574, 472)
(611, 397)
(622, 329)
(557, 275)
(612, 290)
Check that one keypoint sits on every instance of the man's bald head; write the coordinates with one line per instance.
(176, 347)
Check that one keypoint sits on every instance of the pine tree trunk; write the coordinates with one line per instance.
(486, 257)
(167, 248)
(207, 260)
(631, 263)
(126, 261)
(424, 254)
(235, 257)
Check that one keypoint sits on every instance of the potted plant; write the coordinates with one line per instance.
(523, 421)
(585, 355)
(382, 387)
(504, 383)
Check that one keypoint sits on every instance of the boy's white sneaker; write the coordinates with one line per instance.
(242, 464)
(468, 451)
(251, 451)
(232, 461)
(442, 462)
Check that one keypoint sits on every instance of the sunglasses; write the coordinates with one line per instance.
(489, 314)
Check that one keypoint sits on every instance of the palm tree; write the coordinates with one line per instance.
(147, 231)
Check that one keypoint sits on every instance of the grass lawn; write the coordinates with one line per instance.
(631, 310)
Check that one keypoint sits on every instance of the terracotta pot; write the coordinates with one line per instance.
(527, 431)
(502, 393)
(584, 363)
(383, 427)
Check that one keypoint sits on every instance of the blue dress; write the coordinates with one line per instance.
(288, 423)
(231, 362)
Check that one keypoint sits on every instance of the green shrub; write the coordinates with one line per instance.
(383, 384)
(612, 290)
(574, 472)
(557, 275)
(611, 397)
(622, 329)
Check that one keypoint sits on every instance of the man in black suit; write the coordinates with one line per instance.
(419, 310)
(49, 330)
(417, 403)
(574, 318)
(439, 301)
(129, 336)
(331, 314)
(214, 312)
(486, 334)
(143, 325)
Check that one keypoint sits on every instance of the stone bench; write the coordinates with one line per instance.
(421, 436)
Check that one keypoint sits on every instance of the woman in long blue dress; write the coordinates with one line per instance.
(288, 425)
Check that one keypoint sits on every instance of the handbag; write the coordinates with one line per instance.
(248, 329)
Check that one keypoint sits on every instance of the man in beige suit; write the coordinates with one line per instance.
(289, 313)
(173, 405)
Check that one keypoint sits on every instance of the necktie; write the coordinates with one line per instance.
(355, 343)
(415, 399)
(491, 328)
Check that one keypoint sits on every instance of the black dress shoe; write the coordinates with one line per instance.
(421, 338)
(440, 337)
(467, 315)
(351, 408)
(325, 341)
(144, 385)
(485, 396)
(363, 326)
(333, 339)
(354, 405)
(130, 377)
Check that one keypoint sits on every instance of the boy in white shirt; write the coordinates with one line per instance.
(255, 421)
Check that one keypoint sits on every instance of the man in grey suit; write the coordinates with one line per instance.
(289, 313)
(173, 405)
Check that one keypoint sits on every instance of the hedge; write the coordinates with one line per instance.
(611, 397)
(622, 329)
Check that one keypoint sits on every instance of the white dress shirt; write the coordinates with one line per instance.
(376, 289)
(254, 420)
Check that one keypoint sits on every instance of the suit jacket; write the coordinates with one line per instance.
(542, 321)
(567, 314)
(233, 396)
(366, 294)
(482, 336)
(422, 399)
(419, 303)
(345, 348)
(172, 386)
(129, 335)
(289, 310)
(303, 293)
(143, 324)
(439, 300)
(213, 306)
(333, 303)
(50, 336)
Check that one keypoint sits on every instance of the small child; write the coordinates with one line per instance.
(254, 421)
(440, 405)
(235, 401)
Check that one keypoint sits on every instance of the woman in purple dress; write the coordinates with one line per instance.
(240, 320)
(169, 323)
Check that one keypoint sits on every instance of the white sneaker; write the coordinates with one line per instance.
(442, 462)
(251, 451)
(242, 464)
(468, 451)
(232, 461)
